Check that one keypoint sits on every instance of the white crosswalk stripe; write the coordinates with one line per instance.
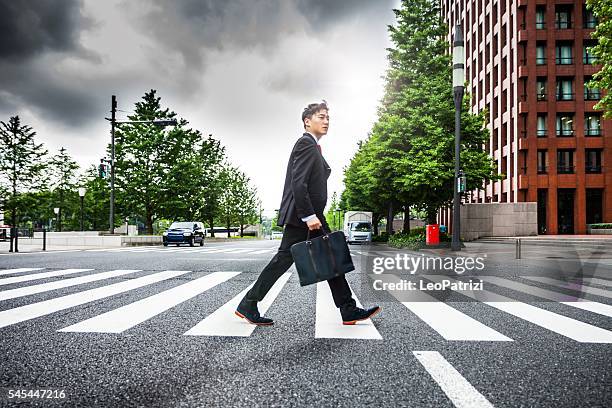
(572, 301)
(263, 251)
(64, 283)
(43, 275)
(18, 270)
(126, 317)
(447, 321)
(573, 286)
(455, 386)
(223, 322)
(328, 322)
(33, 310)
(565, 326)
(186, 250)
(601, 282)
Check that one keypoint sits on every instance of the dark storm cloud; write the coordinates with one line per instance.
(29, 32)
(28, 28)
(193, 27)
(326, 13)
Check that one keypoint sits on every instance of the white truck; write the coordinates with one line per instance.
(358, 226)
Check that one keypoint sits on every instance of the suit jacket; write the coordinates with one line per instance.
(305, 191)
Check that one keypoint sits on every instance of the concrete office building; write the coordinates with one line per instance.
(527, 62)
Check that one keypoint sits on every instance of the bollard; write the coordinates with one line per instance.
(518, 248)
(44, 239)
(11, 239)
(16, 239)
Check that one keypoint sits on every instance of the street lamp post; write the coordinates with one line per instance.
(56, 211)
(82, 196)
(114, 122)
(339, 224)
(458, 89)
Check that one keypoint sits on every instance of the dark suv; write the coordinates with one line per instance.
(188, 232)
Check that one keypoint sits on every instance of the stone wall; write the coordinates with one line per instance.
(498, 220)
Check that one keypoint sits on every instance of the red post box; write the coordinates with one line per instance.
(432, 234)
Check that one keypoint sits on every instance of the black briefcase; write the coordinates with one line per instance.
(322, 258)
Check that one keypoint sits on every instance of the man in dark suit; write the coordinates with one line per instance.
(302, 205)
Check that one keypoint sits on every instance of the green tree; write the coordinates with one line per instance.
(408, 160)
(208, 188)
(603, 51)
(64, 183)
(96, 202)
(22, 166)
(334, 215)
(247, 210)
(237, 199)
(153, 164)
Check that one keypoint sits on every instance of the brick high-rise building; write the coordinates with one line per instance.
(527, 62)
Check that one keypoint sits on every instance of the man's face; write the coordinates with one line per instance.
(318, 124)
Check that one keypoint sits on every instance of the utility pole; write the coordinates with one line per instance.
(114, 123)
(111, 218)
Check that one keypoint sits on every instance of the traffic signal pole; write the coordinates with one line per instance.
(111, 218)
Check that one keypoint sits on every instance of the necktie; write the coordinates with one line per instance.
(319, 147)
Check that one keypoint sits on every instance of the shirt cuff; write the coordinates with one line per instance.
(310, 217)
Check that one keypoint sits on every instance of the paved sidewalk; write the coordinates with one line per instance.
(27, 246)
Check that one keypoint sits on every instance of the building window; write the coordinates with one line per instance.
(564, 90)
(592, 160)
(541, 18)
(592, 125)
(542, 161)
(594, 205)
(588, 18)
(542, 129)
(564, 54)
(565, 125)
(587, 54)
(565, 161)
(563, 17)
(541, 89)
(591, 92)
(541, 54)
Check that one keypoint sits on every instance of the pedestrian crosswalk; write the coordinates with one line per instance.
(444, 319)
(188, 250)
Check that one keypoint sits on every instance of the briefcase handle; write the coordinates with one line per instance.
(325, 237)
(325, 233)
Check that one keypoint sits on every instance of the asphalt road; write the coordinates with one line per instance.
(167, 347)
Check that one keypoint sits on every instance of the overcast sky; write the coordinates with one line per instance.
(240, 69)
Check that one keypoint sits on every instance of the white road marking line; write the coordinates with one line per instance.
(64, 283)
(42, 275)
(33, 310)
(453, 324)
(240, 251)
(223, 321)
(18, 270)
(573, 286)
(455, 386)
(328, 321)
(449, 322)
(565, 326)
(128, 316)
(262, 251)
(602, 282)
(568, 300)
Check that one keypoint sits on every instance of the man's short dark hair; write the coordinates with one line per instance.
(313, 108)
